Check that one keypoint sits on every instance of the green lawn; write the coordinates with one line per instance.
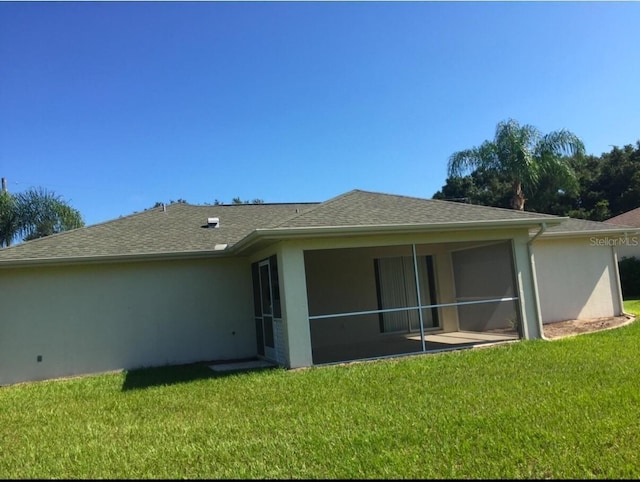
(632, 306)
(568, 408)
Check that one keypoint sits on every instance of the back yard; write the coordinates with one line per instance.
(568, 408)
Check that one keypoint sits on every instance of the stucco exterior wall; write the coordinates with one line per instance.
(629, 250)
(482, 273)
(343, 281)
(293, 290)
(102, 317)
(577, 279)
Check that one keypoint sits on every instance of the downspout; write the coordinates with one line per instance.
(534, 278)
(617, 275)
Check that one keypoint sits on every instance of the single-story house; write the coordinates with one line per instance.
(362, 275)
(627, 246)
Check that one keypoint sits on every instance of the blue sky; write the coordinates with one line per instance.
(117, 105)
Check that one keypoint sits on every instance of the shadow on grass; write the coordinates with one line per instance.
(171, 375)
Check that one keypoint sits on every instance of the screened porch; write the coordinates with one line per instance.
(392, 300)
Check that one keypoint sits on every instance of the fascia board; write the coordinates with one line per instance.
(595, 232)
(288, 233)
(119, 258)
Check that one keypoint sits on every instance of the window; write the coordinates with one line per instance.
(396, 289)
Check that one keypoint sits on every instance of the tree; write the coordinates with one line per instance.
(43, 213)
(33, 214)
(9, 225)
(159, 204)
(606, 186)
(216, 202)
(609, 184)
(484, 187)
(616, 178)
(524, 156)
(237, 200)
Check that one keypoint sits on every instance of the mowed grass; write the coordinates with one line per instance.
(632, 307)
(568, 408)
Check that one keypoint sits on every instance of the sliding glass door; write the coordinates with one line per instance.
(266, 303)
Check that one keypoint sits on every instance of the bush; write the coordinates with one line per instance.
(630, 277)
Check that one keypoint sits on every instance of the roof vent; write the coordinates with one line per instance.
(213, 222)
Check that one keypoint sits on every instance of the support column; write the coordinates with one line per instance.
(295, 312)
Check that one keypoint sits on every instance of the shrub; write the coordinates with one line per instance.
(630, 277)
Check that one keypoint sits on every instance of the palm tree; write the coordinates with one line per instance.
(33, 214)
(43, 213)
(524, 155)
(9, 225)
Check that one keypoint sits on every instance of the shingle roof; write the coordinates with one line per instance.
(574, 227)
(363, 208)
(180, 228)
(630, 218)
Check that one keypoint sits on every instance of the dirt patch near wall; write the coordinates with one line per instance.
(561, 329)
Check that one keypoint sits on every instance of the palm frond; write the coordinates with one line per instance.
(522, 154)
(463, 162)
(562, 142)
(516, 146)
(42, 213)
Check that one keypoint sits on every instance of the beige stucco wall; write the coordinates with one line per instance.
(446, 291)
(101, 317)
(628, 250)
(343, 280)
(577, 279)
(293, 291)
(485, 272)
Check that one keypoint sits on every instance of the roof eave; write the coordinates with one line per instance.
(324, 231)
(117, 258)
(591, 232)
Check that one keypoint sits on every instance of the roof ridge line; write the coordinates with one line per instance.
(320, 204)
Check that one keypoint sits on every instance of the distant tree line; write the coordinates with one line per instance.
(216, 202)
(237, 200)
(602, 186)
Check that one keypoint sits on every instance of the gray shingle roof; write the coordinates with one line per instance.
(574, 227)
(630, 218)
(363, 208)
(179, 230)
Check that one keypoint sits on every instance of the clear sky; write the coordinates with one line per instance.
(118, 105)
